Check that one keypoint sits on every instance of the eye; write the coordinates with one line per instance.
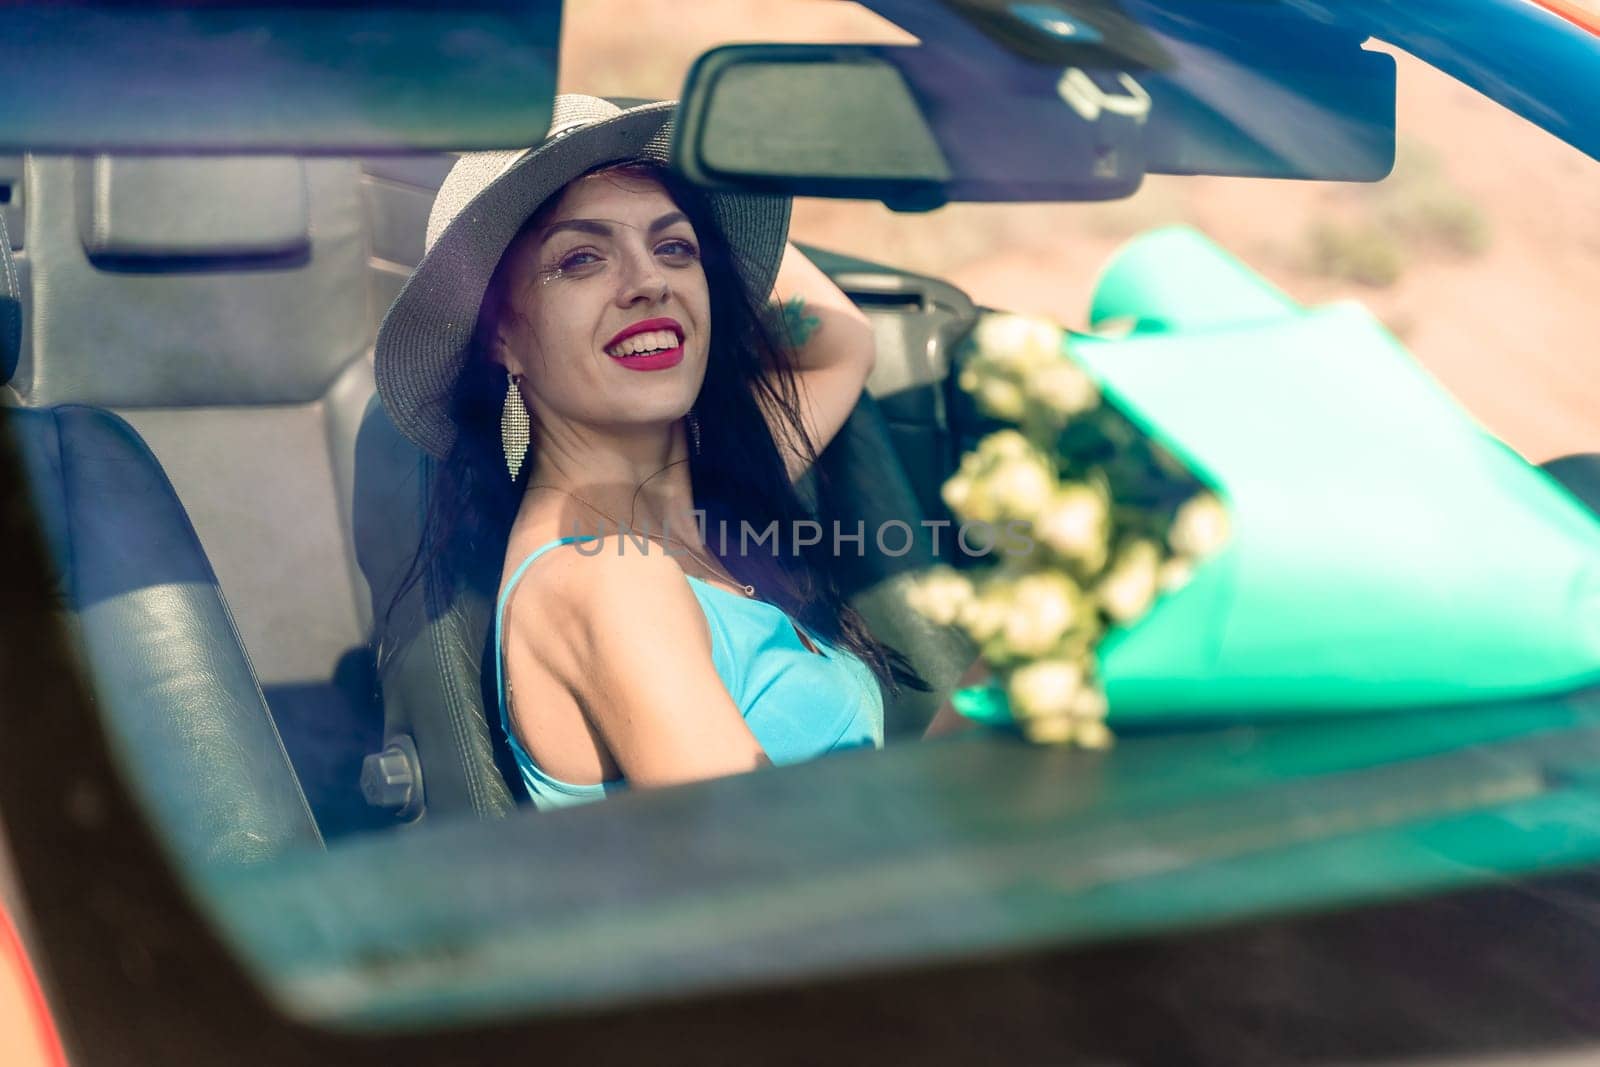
(576, 260)
(677, 248)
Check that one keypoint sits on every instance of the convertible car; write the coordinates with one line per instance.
(251, 808)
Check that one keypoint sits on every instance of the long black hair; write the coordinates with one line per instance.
(738, 473)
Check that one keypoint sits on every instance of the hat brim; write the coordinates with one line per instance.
(423, 342)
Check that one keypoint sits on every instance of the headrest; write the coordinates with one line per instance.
(139, 209)
(212, 328)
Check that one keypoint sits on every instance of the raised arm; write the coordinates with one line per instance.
(833, 356)
(635, 653)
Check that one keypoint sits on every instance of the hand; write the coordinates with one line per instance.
(948, 720)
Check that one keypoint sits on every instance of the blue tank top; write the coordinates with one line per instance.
(799, 704)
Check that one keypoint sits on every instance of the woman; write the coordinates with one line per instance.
(583, 346)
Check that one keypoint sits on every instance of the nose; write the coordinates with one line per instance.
(643, 280)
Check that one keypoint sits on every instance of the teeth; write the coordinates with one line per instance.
(654, 340)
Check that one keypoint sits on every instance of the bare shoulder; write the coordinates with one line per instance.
(622, 632)
(586, 598)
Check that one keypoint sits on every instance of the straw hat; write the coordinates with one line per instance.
(422, 344)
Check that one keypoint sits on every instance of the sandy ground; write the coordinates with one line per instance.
(1512, 329)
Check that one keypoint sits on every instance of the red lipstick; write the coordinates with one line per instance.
(660, 359)
(645, 326)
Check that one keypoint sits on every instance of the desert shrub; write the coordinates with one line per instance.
(1361, 252)
(1420, 204)
(1442, 219)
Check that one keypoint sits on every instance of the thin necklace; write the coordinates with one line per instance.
(749, 590)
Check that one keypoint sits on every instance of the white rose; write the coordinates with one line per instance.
(1063, 388)
(1174, 574)
(1001, 333)
(1020, 487)
(971, 498)
(1200, 527)
(1091, 703)
(1091, 733)
(1043, 342)
(1045, 688)
(1129, 588)
(1043, 608)
(1050, 730)
(985, 614)
(956, 492)
(1016, 340)
(940, 595)
(1005, 444)
(1084, 728)
(1001, 399)
(1073, 523)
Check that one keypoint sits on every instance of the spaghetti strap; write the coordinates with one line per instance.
(499, 626)
(798, 702)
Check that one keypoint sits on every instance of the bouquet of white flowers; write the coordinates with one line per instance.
(1115, 521)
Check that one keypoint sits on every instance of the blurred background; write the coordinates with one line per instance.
(1481, 251)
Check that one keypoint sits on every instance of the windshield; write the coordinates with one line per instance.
(1474, 251)
(1332, 716)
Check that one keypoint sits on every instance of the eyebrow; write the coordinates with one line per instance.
(604, 229)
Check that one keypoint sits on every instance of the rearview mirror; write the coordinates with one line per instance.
(917, 126)
(881, 123)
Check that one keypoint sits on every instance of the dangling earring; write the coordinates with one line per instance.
(694, 431)
(515, 428)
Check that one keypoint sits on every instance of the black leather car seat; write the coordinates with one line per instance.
(440, 753)
(172, 683)
(173, 686)
(226, 307)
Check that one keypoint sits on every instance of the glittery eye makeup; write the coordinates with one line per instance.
(584, 260)
(573, 262)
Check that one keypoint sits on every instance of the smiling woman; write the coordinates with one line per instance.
(621, 378)
(606, 276)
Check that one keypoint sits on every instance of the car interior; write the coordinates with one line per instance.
(217, 314)
(218, 362)
(186, 377)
